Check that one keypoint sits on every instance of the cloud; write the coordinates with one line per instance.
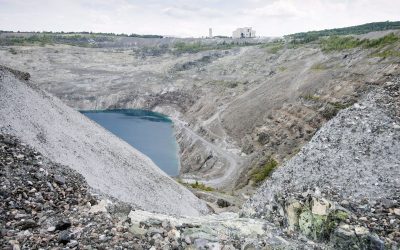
(191, 12)
(192, 17)
(278, 9)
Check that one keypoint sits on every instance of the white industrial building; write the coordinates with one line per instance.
(246, 32)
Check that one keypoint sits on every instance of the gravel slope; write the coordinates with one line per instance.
(50, 206)
(108, 164)
(353, 160)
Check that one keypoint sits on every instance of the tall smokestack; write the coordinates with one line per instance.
(210, 33)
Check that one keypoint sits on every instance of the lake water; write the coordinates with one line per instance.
(149, 132)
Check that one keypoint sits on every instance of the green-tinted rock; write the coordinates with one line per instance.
(201, 233)
(136, 230)
(319, 219)
(354, 238)
(313, 225)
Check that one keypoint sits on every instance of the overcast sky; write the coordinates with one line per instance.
(192, 17)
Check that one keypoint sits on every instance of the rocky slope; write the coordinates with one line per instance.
(236, 106)
(343, 186)
(109, 165)
(50, 206)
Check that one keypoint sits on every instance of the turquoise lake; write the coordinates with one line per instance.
(149, 132)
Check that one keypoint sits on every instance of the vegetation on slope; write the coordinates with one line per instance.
(201, 186)
(185, 47)
(43, 39)
(196, 185)
(386, 53)
(258, 175)
(337, 43)
(83, 33)
(83, 39)
(273, 47)
(305, 37)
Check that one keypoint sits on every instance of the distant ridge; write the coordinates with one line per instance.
(352, 30)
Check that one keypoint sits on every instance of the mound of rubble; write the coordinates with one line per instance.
(47, 205)
(343, 187)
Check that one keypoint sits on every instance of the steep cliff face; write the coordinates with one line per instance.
(109, 165)
(344, 184)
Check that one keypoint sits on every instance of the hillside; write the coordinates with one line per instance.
(345, 182)
(353, 30)
(109, 165)
(234, 107)
(292, 144)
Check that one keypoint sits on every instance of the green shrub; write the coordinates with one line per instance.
(201, 186)
(332, 108)
(258, 175)
(196, 185)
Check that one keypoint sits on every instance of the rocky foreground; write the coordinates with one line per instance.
(343, 188)
(47, 205)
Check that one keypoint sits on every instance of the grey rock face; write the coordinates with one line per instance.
(353, 161)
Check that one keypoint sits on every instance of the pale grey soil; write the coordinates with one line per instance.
(109, 164)
(239, 105)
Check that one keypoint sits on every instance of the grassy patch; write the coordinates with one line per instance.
(182, 47)
(282, 68)
(310, 36)
(311, 97)
(201, 186)
(258, 175)
(189, 47)
(338, 43)
(319, 66)
(196, 185)
(381, 42)
(43, 39)
(332, 108)
(20, 40)
(275, 49)
(386, 53)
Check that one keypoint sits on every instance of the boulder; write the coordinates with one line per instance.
(355, 237)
